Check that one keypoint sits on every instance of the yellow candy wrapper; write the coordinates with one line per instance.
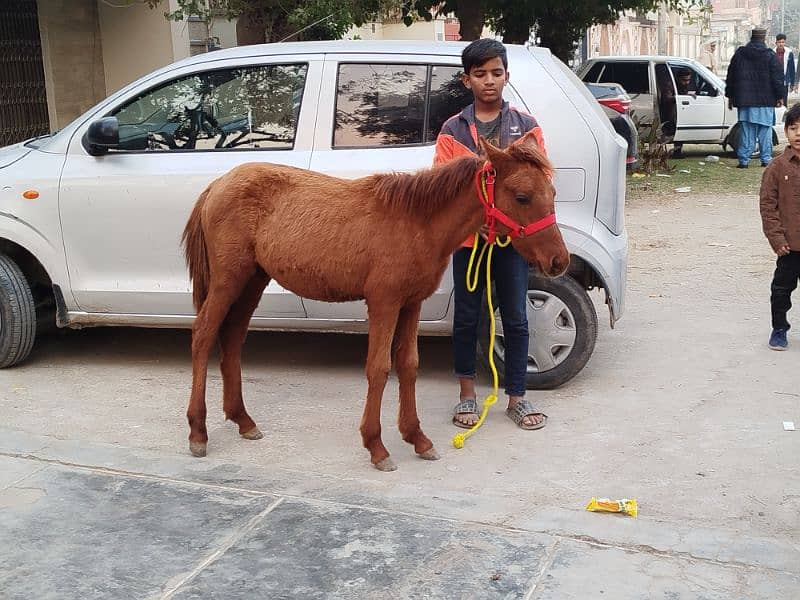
(625, 506)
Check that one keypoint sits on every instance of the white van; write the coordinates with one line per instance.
(89, 236)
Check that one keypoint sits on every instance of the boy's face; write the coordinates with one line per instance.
(780, 43)
(487, 81)
(793, 136)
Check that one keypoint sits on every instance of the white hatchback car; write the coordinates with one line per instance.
(92, 215)
(698, 114)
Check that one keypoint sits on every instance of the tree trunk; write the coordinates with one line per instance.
(471, 17)
(516, 32)
(251, 28)
(259, 26)
(557, 40)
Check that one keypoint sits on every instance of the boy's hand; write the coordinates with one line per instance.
(783, 250)
(484, 232)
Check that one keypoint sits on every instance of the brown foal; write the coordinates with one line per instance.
(386, 239)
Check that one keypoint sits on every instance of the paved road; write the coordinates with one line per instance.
(681, 407)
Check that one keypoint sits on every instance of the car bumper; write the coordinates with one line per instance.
(607, 254)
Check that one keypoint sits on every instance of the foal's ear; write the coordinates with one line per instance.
(493, 155)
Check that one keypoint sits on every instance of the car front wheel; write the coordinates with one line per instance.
(17, 314)
(563, 331)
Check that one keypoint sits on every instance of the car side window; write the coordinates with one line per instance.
(691, 82)
(379, 105)
(594, 73)
(242, 108)
(448, 96)
(633, 76)
(396, 105)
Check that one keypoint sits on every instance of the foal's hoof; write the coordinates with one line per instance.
(431, 454)
(387, 464)
(198, 448)
(253, 434)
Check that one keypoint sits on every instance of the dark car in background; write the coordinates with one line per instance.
(616, 104)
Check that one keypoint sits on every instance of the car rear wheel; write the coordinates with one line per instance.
(735, 134)
(17, 314)
(563, 331)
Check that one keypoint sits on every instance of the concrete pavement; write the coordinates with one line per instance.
(89, 520)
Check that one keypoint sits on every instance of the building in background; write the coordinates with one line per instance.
(729, 23)
(61, 57)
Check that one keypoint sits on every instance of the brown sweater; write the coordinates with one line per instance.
(780, 201)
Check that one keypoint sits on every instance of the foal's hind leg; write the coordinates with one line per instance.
(406, 365)
(221, 295)
(382, 323)
(231, 338)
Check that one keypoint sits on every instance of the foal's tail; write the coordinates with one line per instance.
(194, 249)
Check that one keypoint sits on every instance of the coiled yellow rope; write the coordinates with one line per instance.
(472, 285)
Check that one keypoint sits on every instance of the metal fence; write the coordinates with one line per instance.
(23, 100)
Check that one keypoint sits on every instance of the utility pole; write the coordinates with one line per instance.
(662, 29)
(783, 16)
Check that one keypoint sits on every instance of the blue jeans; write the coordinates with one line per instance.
(510, 275)
(749, 133)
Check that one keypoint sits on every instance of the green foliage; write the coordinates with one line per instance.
(558, 23)
(276, 19)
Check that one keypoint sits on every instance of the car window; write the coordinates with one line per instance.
(448, 96)
(688, 80)
(632, 76)
(380, 105)
(243, 108)
(395, 105)
(594, 73)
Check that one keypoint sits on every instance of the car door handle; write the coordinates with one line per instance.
(685, 102)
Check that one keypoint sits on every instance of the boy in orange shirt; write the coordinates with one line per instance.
(486, 74)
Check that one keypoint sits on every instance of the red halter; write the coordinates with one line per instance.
(492, 213)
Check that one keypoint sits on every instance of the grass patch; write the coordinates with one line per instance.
(710, 178)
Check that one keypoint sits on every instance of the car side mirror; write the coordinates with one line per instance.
(102, 135)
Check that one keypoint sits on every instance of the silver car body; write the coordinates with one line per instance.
(106, 229)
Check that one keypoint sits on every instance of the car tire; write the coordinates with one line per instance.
(563, 329)
(733, 136)
(17, 314)
(732, 139)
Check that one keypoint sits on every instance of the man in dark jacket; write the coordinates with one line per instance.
(755, 86)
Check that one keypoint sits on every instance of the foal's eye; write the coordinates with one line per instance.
(522, 199)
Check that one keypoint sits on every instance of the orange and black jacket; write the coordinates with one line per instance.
(459, 135)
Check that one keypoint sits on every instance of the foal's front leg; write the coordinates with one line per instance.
(406, 365)
(382, 323)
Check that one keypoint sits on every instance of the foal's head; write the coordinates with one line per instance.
(524, 191)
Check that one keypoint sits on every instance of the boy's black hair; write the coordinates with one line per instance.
(479, 51)
(792, 116)
(780, 36)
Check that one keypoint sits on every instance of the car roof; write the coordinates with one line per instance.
(640, 58)
(344, 47)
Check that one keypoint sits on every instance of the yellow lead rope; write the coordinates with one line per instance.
(472, 285)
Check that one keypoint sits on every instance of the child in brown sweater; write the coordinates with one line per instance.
(780, 216)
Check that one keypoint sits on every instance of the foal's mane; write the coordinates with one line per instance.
(425, 192)
(530, 153)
